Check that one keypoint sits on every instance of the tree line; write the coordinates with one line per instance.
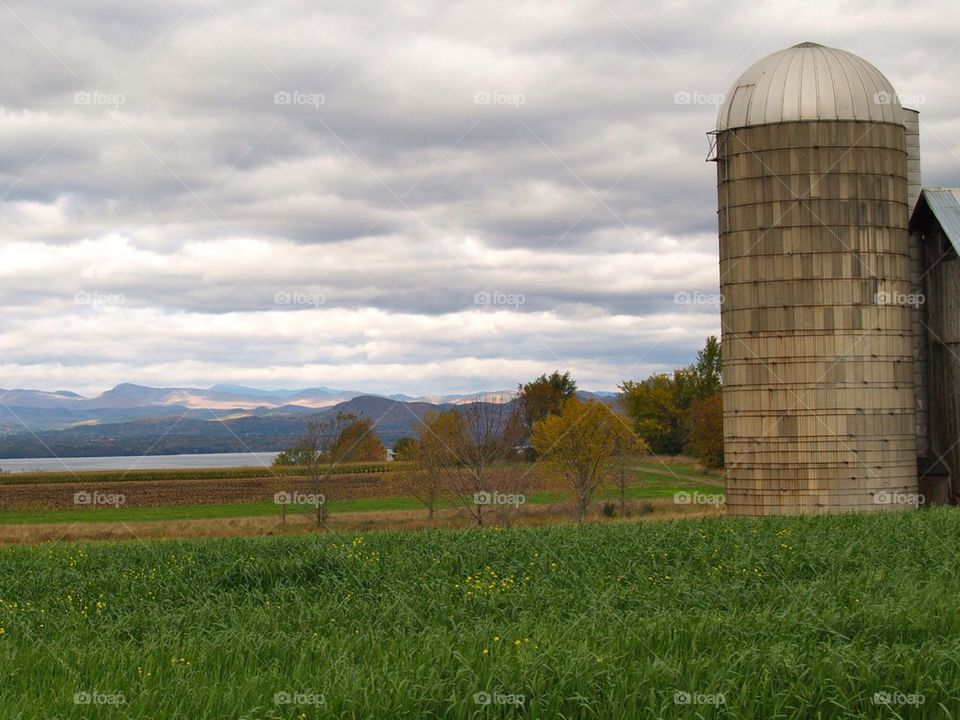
(681, 413)
(481, 456)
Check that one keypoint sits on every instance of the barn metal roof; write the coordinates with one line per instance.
(944, 203)
(809, 82)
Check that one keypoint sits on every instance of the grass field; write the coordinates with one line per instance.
(650, 480)
(778, 618)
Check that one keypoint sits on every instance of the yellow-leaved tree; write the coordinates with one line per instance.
(580, 445)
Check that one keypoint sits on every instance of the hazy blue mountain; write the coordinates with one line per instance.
(129, 417)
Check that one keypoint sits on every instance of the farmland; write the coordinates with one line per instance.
(717, 617)
(370, 490)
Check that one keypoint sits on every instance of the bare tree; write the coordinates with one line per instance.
(627, 448)
(467, 445)
(423, 478)
(322, 449)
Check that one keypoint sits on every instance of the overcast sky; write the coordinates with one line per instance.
(388, 196)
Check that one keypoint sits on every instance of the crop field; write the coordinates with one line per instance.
(173, 474)
(157, 495)
(850, 616)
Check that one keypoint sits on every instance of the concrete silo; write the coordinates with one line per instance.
(819, 407)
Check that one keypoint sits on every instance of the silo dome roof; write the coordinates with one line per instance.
(809, 82)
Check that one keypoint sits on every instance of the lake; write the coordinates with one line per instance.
(140, 462)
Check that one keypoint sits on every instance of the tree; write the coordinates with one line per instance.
(320, 446)
(705, 430)
(653, 407)
(467, 446)
(544, 396)
(660, 406)
(626, 449)
(298, 456)
(577, 446)
(707, 370)
(358, 442)
(404, 449)
(422, 479)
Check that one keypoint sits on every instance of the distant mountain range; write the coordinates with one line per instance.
(135, 419)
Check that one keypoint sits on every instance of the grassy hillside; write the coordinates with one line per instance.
(786, 618)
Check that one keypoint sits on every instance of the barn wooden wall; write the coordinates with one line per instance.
(943, 351)
(817, 370)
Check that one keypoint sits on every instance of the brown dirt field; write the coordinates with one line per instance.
(154, 493)
(535, 515)
(151, 493)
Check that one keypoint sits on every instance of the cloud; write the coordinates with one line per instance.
(168, 172)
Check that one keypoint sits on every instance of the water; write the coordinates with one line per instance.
(140, 462)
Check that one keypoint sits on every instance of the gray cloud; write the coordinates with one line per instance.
(395, 159)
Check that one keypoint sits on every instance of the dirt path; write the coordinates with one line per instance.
(720, 482)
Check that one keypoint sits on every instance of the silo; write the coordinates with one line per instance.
(815, 276)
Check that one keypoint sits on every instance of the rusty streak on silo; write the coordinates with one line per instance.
(814, 272)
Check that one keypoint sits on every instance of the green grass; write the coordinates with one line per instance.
(785, 617)
(196, 512)
(645, 486)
